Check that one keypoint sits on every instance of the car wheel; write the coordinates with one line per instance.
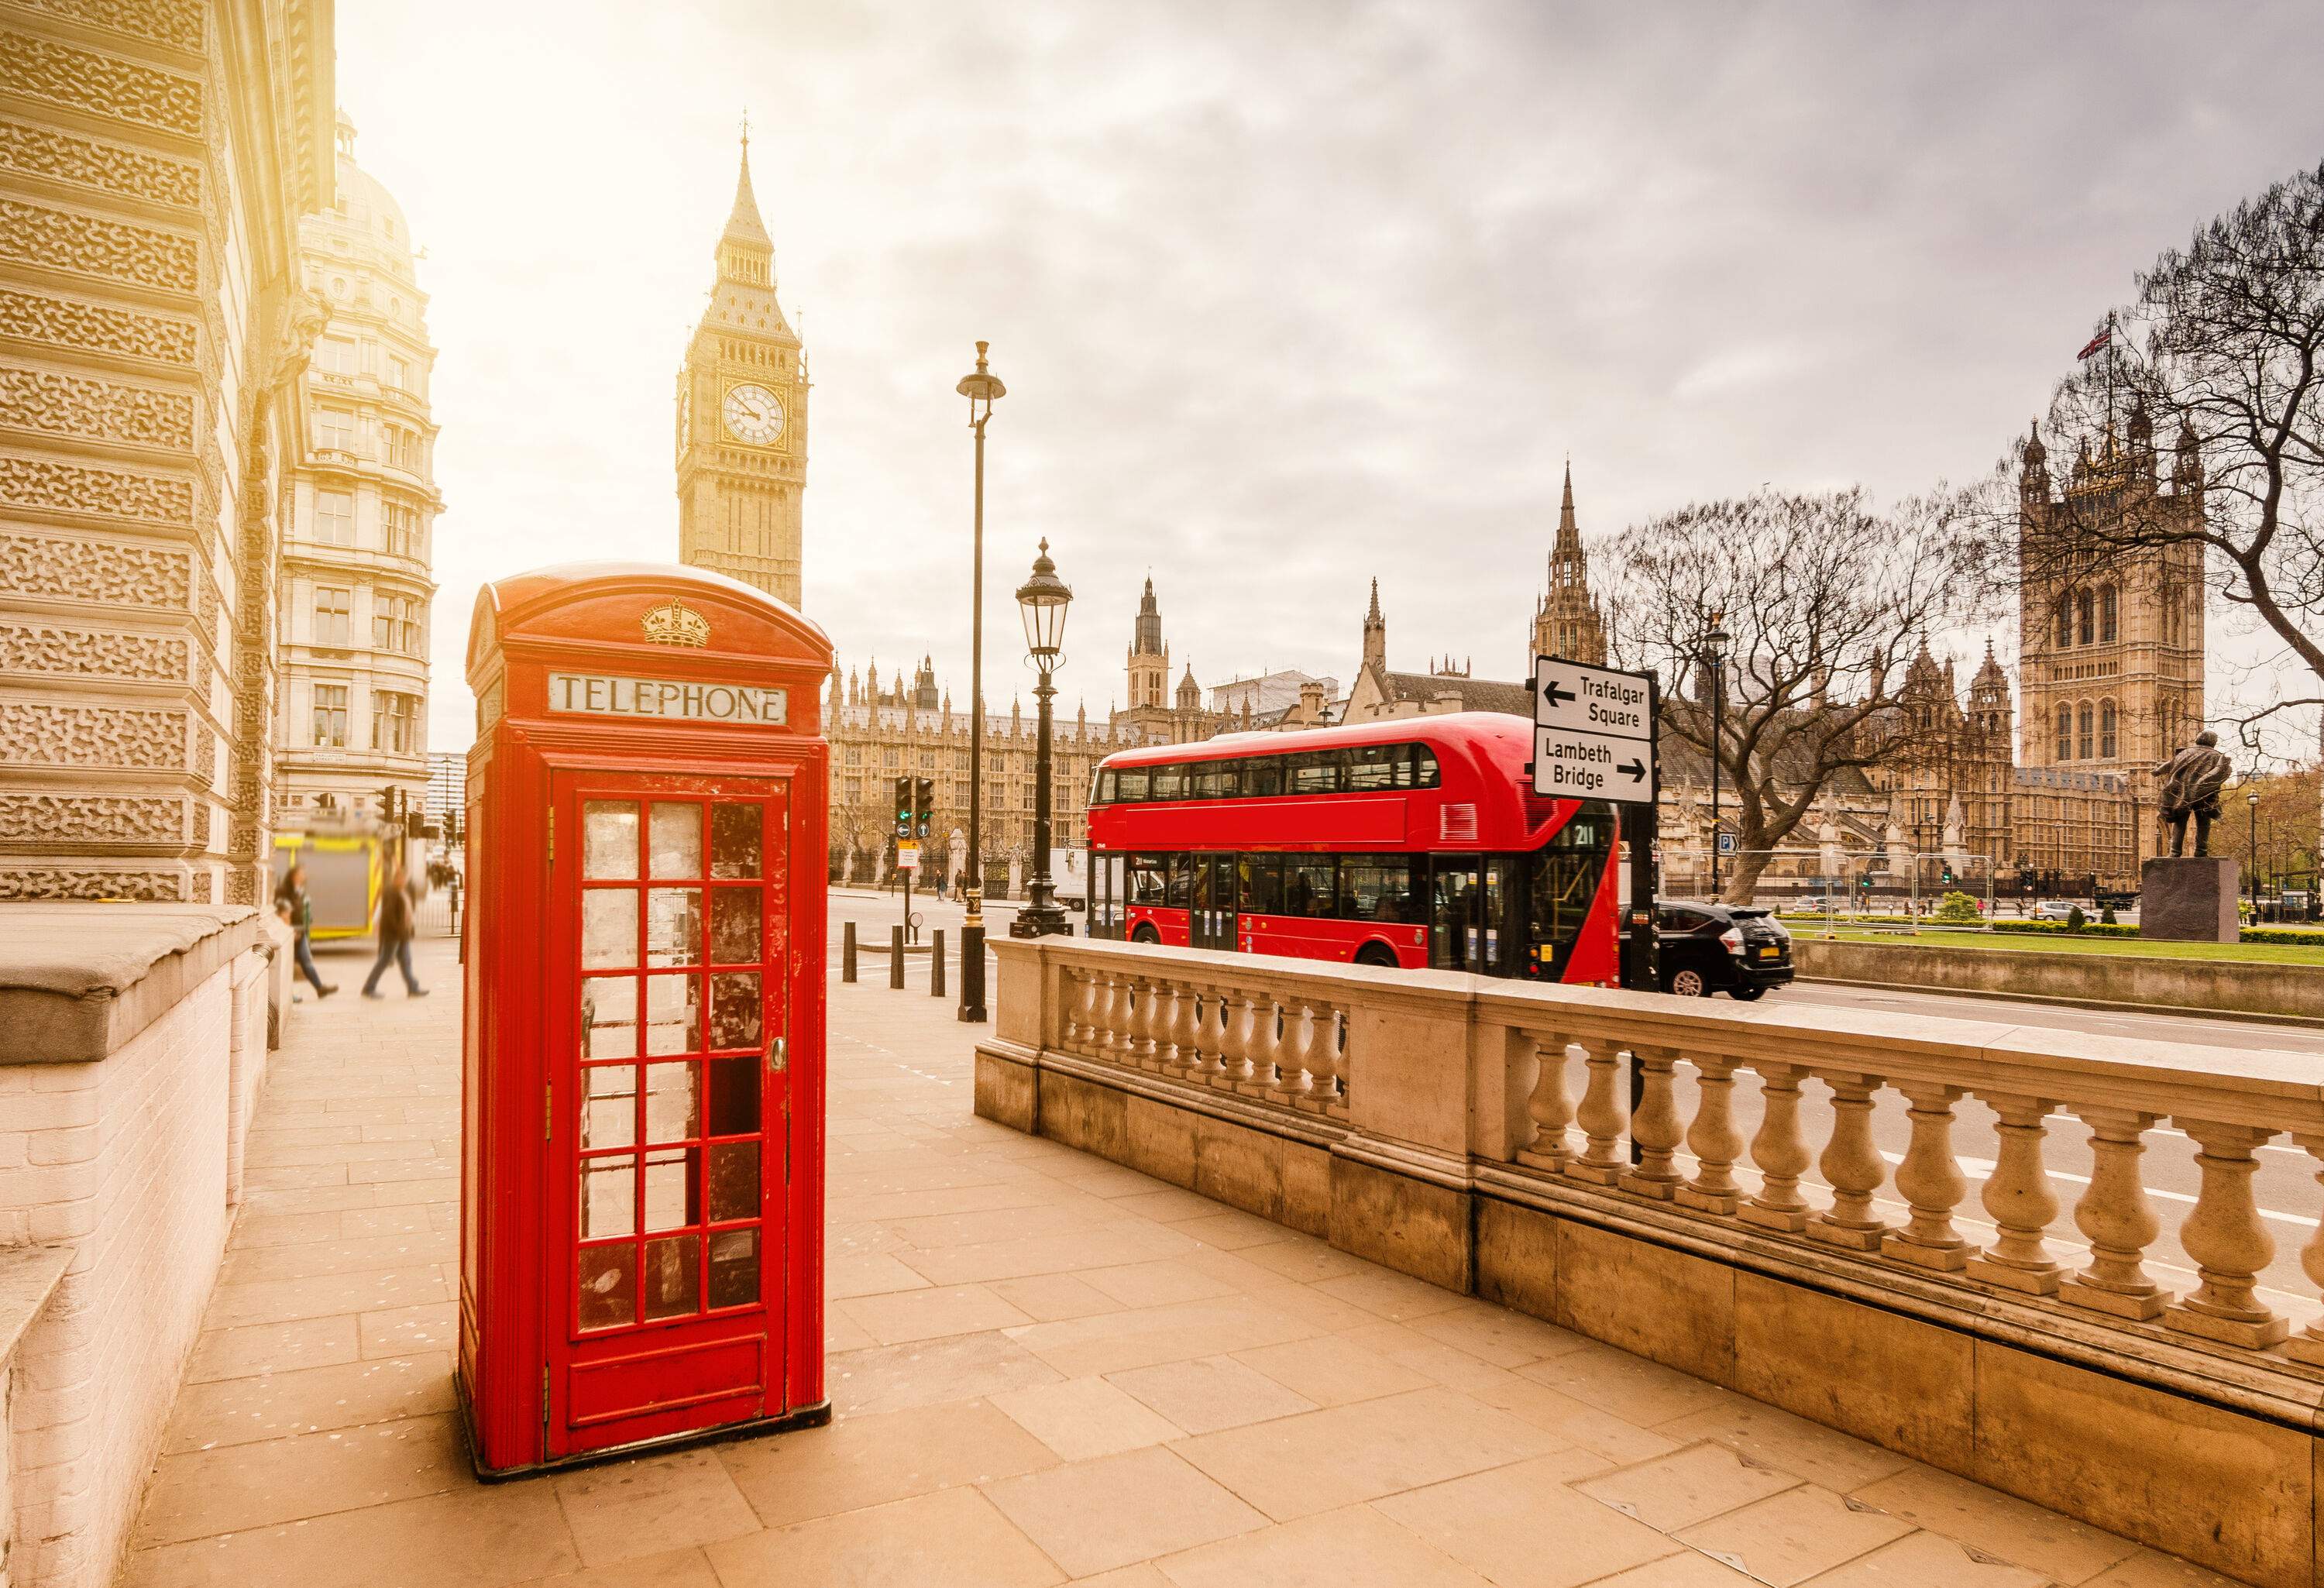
(1376, 954)
(1146, 933)
(1686, 983)
(1747, 994)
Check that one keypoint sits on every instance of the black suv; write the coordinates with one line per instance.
(1708, 948)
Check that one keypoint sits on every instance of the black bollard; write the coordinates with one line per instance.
(848, 951)
(936, 964)
(895, 955)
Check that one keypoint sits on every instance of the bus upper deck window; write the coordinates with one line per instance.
(1423, 767)
(1170, 783)
(1263, 774)
(1130, 784)
(1217, 780)
(1373, 766)
(1316, 773)
(1103, 793)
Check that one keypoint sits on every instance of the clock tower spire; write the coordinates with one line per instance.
(742, 416)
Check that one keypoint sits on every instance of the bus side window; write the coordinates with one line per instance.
(1145, 874)
(1423, 767)
(1217, 780)
(1263, 774)
(1316, 772)
(1170, 783)
(1307, 885)
(1178, 882)
(1376, 888)
(1373, 766)
(1130, 784)
(1102, 794)
(1261, 884)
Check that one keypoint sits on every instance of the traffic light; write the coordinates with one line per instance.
(1949, 875)
(923, 805)
(903, 808)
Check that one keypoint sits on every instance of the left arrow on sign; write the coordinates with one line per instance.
(1556, 696)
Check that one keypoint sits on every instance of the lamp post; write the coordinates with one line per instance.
(1043, 600)
(983, 388)
(2253, 800)
(1714, 646)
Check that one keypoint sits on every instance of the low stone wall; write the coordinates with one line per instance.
(137, 1040)
(1424, 1123)
(2219, 986)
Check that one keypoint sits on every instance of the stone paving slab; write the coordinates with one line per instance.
(1045, 1369)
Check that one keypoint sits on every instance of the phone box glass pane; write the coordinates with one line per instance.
(609, 838)
(673, 1014)
(734, 840)
(609, 928)
(735, 923)
(609, 1106)
(673, 926)
(733, 1096)
(735, 1013)
(673, 1102)
(609, 1284)
(609, 1195)
(608, 1017)
(676, 841)
(733, 1268)
(672, 1200)
(734, 1180)
(673, 1276)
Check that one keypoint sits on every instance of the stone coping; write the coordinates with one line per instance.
(77, 981)
(29, 1276)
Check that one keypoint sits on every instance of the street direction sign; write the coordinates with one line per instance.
(1593, 736)
(1568, 764)
(1592, 699)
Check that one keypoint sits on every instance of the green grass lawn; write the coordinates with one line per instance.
(2060, 942)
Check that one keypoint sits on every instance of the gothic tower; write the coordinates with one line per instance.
(2111, 642)
(1149, 659)
(741, 417)
(1566, 621)
(1375, 633)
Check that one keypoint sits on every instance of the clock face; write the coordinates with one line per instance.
(753, 414)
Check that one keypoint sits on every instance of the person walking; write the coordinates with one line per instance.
(394, 927)
(297, 912)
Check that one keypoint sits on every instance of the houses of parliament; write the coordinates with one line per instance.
(2110, 657)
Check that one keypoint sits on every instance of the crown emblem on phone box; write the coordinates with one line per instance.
(676, 624)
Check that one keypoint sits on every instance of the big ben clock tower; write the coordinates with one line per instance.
(742, 417)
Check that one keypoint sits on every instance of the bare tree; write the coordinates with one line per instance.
(1825, 602)
(2221, 357)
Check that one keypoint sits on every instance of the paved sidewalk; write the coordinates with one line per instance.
(1045, 1369)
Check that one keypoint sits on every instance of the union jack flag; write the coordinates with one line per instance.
(2097, 344)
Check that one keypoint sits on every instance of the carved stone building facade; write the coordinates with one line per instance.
(1157, 713)
(356, 587)
(154, 161)
(742, 417)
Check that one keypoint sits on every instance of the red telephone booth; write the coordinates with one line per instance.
(641, 1128)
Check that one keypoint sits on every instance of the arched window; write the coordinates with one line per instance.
(2083, 740)
(2086, 610)
(2109, 615)
(2065, 625)
(2105, 729)
(2065, 733)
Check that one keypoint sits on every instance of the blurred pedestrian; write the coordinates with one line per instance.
(394, 928)
(297, 912)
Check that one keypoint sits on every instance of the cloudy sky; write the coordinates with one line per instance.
(1286, 295)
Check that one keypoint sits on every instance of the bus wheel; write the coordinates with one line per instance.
(1686, 983)
(1146, 933)
(1377, 954)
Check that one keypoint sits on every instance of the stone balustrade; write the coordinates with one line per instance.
(1704, 1184)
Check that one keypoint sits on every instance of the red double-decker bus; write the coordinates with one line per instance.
(1415, 842)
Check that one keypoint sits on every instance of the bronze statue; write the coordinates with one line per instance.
(2191, 781)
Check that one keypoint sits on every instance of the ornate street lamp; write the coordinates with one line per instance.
(983, 388)
(2254, 797)
(1043, 600)
(1714, 646)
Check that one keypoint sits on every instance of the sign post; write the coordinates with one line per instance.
(1594, 738)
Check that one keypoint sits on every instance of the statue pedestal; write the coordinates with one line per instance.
(2189, 901)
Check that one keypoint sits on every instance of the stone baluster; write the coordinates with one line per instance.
(2227, 1240)
(1655, 1127)
(1929, 1181)
(1164, 1024)
(1261, 1042)
(1209, 1036)
(1328, 1057)
(1713, 1139)
(1079, 988)
(1779, 1152)
(2116, 1219)
(1140, 1051)
(1550, 1106)
(2308, 1345)
(1604, 1117)
(1112, 999)
(1852, 1166)
(1293, 1054)
(1185, 1030)
(2018, 1198)
(1240, 1018)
